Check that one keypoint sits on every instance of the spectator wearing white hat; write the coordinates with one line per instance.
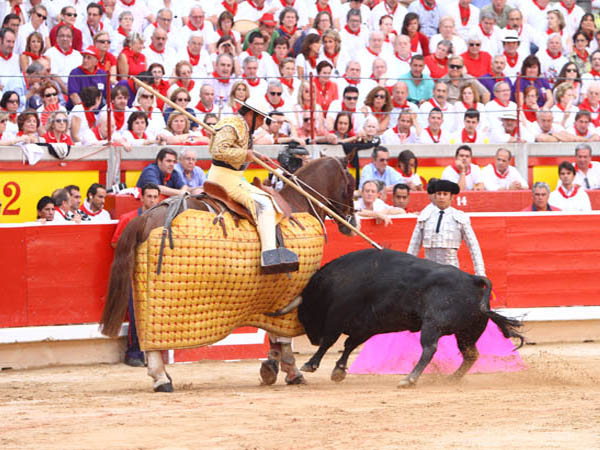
(514, 57)
(509, 132)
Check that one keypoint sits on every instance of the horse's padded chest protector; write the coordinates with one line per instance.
(209, 285)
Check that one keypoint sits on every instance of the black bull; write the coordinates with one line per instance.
(371, 292)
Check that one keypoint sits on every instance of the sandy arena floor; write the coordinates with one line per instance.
(553, 404)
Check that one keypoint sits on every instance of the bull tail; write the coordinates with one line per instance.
(119, 284)
(286, 309)
(508, 326)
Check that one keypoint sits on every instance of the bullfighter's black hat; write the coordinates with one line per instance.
(445, 186)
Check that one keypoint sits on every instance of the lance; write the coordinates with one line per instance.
(256, 160)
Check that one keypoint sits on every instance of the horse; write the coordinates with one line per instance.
(326, 178)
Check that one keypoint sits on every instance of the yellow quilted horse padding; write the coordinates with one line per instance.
(211, 284)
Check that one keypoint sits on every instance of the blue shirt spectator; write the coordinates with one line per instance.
(162, 173)
(429, 15)
(197, 176)
(379, 170)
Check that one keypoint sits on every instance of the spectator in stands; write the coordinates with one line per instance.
(58, 129)
(250, 75)
(330, 50)
(593, 76)
(399, 63)
(83, 115)
(496, 75)
(448, 32)
(27, 86)
(289, 82)
(178, 132)
(87, 74)
(197, 55)
(98, 135)
(137, 129)
(343, 128)
(570, 74)
(150, 197)
(131, 60)
(420, 85)
(456, 79)
(162, 86)
(93, 205)
(379, 169)
(500, 175)
(469, 99)
(406, 131)
(256, 46)
(68, 16)
(553, 59)
(400, 101)
(158, 51)
(556, 25)
(75, 201)
(565, 110)
(407, 166)
(162, 173)
(146, 102)
(514, 57)
(347, 104)
(222, 80)
(239, 91)
(192, 175)
(439, 101)
(499, 105)
(437, 62)
(34, 49)
(93, 23)
(62, 210)
(183, 80)
(9, 103)
(106, 60)
(510, 132)
(568, 196)
(587, 172)
(379, 104)
(29, 123)
(304, 132)
(304, 105)
(540, 193)
(270, 132)
(545, 130)
(45, 209)
(63, 57)
(224, 27)
(306, 61)
(432, 133)
(530, 106)
(9, 61)
(125, 27)
(582, 130)
(531, 76)
(120, 99)
(419, 42)
(499, 10)
(591, 102)
(370, 206)
(6, 137)
(326, 90)
(49, 95)
(401, 196)
(463, 172)
(429, 15)
(468, 133)
(477, 62)
(580, 55)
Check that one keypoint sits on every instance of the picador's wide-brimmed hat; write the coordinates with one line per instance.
(253, 105)
(444, 186)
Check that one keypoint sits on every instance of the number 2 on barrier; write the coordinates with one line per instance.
(12, 191)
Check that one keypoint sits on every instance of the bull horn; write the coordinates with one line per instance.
(286, 309)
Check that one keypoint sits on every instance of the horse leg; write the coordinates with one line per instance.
(429, 341)
(270, 368)
(288, 362)
(313, 363)
(156, 369)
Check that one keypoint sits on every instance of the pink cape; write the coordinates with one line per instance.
(398, 353)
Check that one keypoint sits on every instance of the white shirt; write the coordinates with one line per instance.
(592, 175)
(351, 43)
(203, 69)
(381, 10)
(494, 111)
(449, 123)
(572, 19)
(391, 137)
(139, 10)
(378, 205)
(264, 63)
(471, 179)
(574, 200)
(10, 68)
(62, 64)
(550, 66)
(427, 138)
(492, 43)
(459, 45)
(102, 216)
(481, 137)
(493, 181)
(472, 23)
(166, 58)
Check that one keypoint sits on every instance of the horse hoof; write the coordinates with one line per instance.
(307, 367)
(406, 383)
(268, 372)
(338, 375)
(167, 387)
(298, 379)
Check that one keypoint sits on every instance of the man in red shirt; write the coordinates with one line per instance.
(477, 62)
(150, 196)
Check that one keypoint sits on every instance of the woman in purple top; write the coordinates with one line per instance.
(530, 76)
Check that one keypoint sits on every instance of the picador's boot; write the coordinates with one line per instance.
(273, 260)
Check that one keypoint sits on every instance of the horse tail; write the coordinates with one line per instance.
(119, 284)
(508, 326)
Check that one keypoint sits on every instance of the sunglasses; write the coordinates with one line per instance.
(149, 96)
(53, 94)
(455, 66)
(379, 95)
(351, 98)
(571, 70)
(12, 101)
(383, 159)
(3, 120)
(103, 41)
(71, 14)
(474, 44)
(41, 16)
(306, 119)
(182, 99)
(277, 94)
(61, 121)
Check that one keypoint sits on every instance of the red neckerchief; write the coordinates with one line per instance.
(275, 59)
(219, 78)
(167, 177)
(414, 42)
(289, 82)
(441, 62)
(433, 138)
(372, 77)
(312, 60)
(583, 56)
(321, 8)
(427, 8)
(192, 27)
(541, 8)
(484, 33)
(67, 53)
(355, 33)
(153, 48)
(578, 133)
(553, 57)
(577, 168)
(404, 105)
(465, 14)
(559, 106)
(435, 104)
(58, 210)
(92, 32)
(86, 210)
(467, 138)
(255, 82)
(87, 72)
(390, 11)
(346, 109)
(119, 118)
(405, 175)
(189, 87)
(96, 132)
(252, 54)
(458, 171)
(322, 89)
(231, 8)
(11, 116)
(372, 52)
(586, 105)
(194, 59)
(351, 81)
(90, 117)
(407, 59)
(128, 3)
(512, 60)
(122, 31)
(530, 114)
(33, 56)
(549, 32)
(565, 195)
(278, 105)
(290, 32)
(379, 115)
(251, 3)
(17, 10)
(285, 4)
(500, 78)
(387, 38)
(569, 10)
(595, 73)
(143, 136)
(498, 174)
(474, 106)
(200, 107)
(221, 33)
(52, 139)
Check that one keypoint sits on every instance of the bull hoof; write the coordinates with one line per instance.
(338, 375)
(298, 379)
(268, 372)
(167, 387)
(307, 367)
(406, 383)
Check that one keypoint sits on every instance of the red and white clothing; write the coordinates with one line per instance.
(589, 78)
(463, 137)
(264, 62)
(119, 118)
(429, 137)
(494, 110)
(366, 56)
(209, 35)
(326, 94)
(477, 67)
(397, 108)
(249, 11)
(449, 124)
(572, 16)
(102, 216)
(595, 111)
(398, 66)
(514, 64)
(139, 10)
(166, 58)
(382, 9)
(61, 62)
(173, 43)
(9, 68)
(492, 42)
(337, 106)
(535, 15)
(472, 178)
(551, 64)
(592, 175)
(575, 199)
(308, 65)
(202, 65)
(392, 136)
(352, 42)
(461, 108)
(193, 88)
(86, 120)
(559, 113)
(50, 138)
(465, 20)
(495, 181)
(459, 46)
(298, 5)
(591, 131)
(498, 135)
